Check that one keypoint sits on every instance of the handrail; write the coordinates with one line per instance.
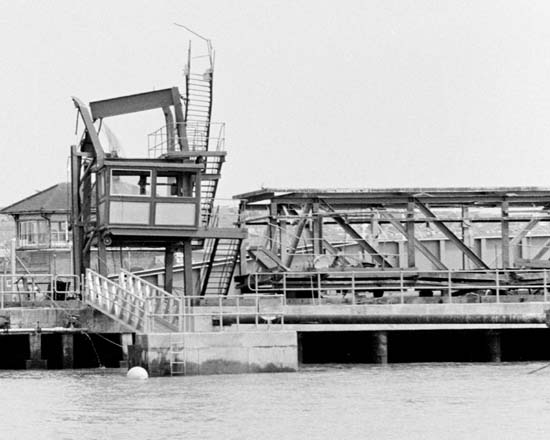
(405, 283)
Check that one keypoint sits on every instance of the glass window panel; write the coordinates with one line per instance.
(33, 233)
(59, 233)
(172, 184)
(130, 183)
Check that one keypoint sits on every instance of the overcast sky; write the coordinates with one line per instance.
(342, 94)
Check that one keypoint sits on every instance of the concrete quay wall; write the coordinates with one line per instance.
(48, 317)
(218, 352)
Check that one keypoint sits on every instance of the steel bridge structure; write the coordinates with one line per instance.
(383, 240)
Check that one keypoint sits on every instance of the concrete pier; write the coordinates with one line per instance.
(126, 340)
(495, 349)
(67, 350)
(221, 352)
(35, 351)
(380, 347)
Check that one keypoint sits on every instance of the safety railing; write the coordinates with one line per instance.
(116, 301)
(404, 286)
(165, 307)
(207, 313)
(199, 137)
(22, 289)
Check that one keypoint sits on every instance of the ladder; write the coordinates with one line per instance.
(177, 359)
(198, 100)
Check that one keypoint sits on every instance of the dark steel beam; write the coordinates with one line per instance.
(297, 235)
(139, 102)
(359, 239)
(417, 243)
(430, 216)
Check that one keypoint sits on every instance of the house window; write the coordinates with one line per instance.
(59, 233)
(33, 233)
(130, 183)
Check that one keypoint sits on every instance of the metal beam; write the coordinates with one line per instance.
(418, 244)
(542, 251)
(505, 234)
(450, 235)
(297, 235)
(139, 102)
(90, 130)
(411, 260)
(359, 239)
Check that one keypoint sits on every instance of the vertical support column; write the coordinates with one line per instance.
(67, 350)
(272, 228)
(505, 235)
(381, 347)
(169, 268)
(126, 340)
(483, 248)
(493, 342)
(102, 257)
(188, 268)
(401, 250)
(317, 230)
(78, 236)
(35, 350)
(466, 235)
(283, 239)
(442, 252)
(411, 262)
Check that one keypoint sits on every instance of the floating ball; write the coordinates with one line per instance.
(137, 373)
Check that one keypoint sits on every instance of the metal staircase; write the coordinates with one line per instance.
(223, 255)
(199, 79)
(138, 305)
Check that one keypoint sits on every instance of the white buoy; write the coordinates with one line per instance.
(137, 373)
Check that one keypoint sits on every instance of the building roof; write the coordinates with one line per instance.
(55, 199)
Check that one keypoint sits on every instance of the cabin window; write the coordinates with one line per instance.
(130, 183)
(33, 233)
(59, 233)
(174, 184)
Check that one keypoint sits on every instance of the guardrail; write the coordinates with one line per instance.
(20, 288)
(496, 285)
(262, 310)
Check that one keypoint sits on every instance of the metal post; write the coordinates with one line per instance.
(238, 311)
(256, 311)
(220, 311)
(284, 289)
(449, 286)
(353, 288)
(545, 286)
(318, 288)
(401, 287)
(497, 285)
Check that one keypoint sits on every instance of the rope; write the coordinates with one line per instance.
(107, 339)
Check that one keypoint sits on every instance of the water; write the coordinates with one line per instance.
(412, 401)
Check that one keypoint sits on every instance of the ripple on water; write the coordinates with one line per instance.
(428, 401)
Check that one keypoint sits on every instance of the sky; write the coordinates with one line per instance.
(314, 94)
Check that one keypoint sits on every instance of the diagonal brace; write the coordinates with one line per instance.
(450, 235)
(359, 239)
(417, 243)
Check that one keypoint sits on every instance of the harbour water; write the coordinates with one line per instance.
(412, 401)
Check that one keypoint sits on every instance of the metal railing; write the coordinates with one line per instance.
(158, 142)
(401, 286)
(20, 289)
(220, 313)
